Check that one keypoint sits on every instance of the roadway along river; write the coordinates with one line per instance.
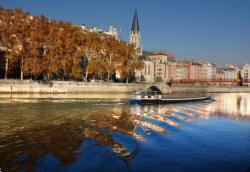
(105, 135)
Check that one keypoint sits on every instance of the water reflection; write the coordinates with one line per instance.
(235, 106)
(31, 131)
(25, 139)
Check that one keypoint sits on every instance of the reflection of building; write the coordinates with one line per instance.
(232, 105)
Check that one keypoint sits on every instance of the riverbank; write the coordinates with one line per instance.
(70, 89)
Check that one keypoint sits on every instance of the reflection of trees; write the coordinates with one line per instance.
(61, 133)
(23, 148)
(118, 121)
(60, 140)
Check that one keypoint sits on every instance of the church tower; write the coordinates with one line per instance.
(135, 32)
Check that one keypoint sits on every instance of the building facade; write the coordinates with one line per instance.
(147, 73)
(195, 69)
(211, 72)
(230, 73)
(158, 67)
(246, 75)
(162, 62)
(181, 71)
(111, 32)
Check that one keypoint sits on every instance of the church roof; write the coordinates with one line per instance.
(144, 58)
(135, 24)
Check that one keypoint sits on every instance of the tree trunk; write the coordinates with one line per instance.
(109, 67)
(48, 77)
(86, 75)
(21, 76)
(6, 67)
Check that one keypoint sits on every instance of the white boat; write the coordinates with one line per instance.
(156, 98)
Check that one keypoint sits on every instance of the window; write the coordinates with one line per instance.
(148, 69)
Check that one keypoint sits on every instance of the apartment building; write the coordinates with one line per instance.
(246, 75)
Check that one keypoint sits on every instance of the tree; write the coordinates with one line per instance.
(45, 48)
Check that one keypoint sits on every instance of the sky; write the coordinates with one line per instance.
(213, 30)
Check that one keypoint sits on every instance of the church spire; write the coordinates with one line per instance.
(135, 24)
(135, 31)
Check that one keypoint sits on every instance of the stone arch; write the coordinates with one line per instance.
(154, 88)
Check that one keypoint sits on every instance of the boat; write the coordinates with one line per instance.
(154, 97)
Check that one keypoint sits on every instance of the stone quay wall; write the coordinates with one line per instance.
(29, 86)
(228, 89)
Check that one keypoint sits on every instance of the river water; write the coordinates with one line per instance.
(111, 135)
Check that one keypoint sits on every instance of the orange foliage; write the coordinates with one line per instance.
(54, 48)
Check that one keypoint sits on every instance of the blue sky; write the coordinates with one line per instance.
(214, 30)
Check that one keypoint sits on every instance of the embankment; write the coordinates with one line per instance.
(100, 89)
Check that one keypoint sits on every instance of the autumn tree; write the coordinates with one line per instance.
(46, 48)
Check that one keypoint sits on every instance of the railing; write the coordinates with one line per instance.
(205, 81)
(246, 80)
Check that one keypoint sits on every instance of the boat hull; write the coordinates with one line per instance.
(184, 100)
(166, 101)
(143, 102)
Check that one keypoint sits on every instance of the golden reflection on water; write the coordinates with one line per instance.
(29, 131)
(232, 105)
(236, 106)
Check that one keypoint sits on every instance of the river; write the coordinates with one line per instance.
(111, 135)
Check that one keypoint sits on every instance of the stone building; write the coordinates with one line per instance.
(246, 75)
(162, 60)
(158, 67)
(230, 73)
(195, 71)
(211, 72)
(147, 73)
(113, 32)
(181, 71)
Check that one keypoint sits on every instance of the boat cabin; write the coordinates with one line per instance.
(146, 95)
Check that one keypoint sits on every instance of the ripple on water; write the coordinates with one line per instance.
(32, 130)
